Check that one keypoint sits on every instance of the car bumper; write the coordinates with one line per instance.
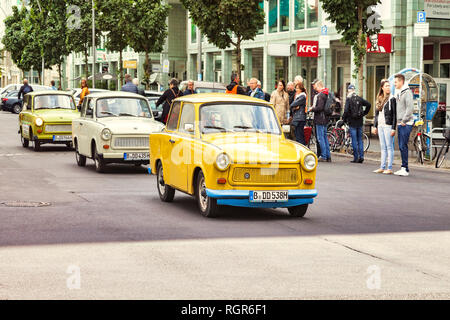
(119, 157)
(240, 198)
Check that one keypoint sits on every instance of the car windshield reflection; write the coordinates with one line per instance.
(123, 107)
(54, 102)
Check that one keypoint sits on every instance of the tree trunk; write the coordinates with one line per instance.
(147, 70)
(121, 67)
(86, 66)
(238, 58)
(361, 49)
(60, 74)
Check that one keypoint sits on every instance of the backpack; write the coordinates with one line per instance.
(356, 110)
(328, 109)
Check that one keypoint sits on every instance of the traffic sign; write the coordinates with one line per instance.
(421, 30)
(421, 17)
(166, 66)
(324, 30)
(324, 42)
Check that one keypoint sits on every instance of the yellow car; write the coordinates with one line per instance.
(230, 150)
(46, 117)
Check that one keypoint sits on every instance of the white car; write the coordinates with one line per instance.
(77, 92)
(114, 127)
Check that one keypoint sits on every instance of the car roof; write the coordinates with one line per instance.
(205, 84)
(219, 97)
(49, 92)
(115, 94)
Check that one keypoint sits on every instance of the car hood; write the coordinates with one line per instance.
(257, 147)
(131, 125)
(57, 115)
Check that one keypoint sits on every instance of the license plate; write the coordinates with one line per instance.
(269, 196)
(136, 156)
(62, 138)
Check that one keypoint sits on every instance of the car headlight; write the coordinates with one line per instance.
(106, 134)
(222, 162)
(309, 162)
(39, 122)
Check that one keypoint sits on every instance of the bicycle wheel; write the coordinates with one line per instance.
(348, 146)
(366, 142)
(418, 146)
(442, 156)
(332, 141)
(312, 143)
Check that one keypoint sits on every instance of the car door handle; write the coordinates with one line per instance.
(80, 124)
(172, 141)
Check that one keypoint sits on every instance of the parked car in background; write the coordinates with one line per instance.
(205, 87)
(157, 111)
(114, 127)
(47, 118)
(76, 93)
(151, 94)
(230, 150)
(11, 102)
(16, 87)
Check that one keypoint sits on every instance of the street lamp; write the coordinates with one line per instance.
(43, 59)
(94, 50)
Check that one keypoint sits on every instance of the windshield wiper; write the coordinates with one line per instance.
(214, 127)
(127, 114)
(110, 113)
(247, 128)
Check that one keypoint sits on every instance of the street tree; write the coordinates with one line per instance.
(79, 29)
(227, 22)
(114, 19)
(149, 29)
(354, 20)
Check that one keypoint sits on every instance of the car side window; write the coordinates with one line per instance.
(26, 103)
(172, 122)
(187, 119)
(88, 108)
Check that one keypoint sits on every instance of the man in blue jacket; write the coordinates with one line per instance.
(129, 86)
(254, 91)
(26, 88)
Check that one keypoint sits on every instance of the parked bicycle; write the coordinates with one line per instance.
(442, 159)
(340, 138)
(421, 144)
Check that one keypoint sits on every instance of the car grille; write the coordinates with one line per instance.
(131, 142)
(265, 175)
(58, 128)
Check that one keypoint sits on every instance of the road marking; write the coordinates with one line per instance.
(11, 154)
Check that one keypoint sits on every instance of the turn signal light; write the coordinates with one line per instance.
(309, 181)
(39, 130)
(221, 181)
(106, 146)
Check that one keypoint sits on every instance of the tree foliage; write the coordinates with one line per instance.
(227, 22)
(354, 22)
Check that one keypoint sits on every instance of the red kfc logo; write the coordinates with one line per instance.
(307, 48)
(379, 43)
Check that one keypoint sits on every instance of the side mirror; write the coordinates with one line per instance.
(286, 128)
(155, 113)
(189, 127)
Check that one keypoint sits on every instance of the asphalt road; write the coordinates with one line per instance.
(108, 236)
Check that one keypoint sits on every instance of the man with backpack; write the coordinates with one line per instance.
(234, 87)
(322, 112)
(356, 108)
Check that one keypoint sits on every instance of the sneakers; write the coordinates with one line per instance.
(379, 171)
(388, 172)
(402, 172)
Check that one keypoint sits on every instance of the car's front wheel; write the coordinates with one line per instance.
(298, 211)
(25, 141)
(166, 192)
(207, 205)
(37, 145)
(99, 162)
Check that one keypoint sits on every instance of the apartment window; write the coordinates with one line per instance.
(313, 13)
(284, 15)
(428, 68)
(273, 16)
(445, 70)
(299, 12)
(193, 33)
(261, 5)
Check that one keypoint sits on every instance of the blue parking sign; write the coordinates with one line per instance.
(324, 30)
(421, 17)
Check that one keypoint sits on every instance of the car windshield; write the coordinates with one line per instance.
(54, 102)
(238, 118)
(123, 107)
(152, 103)
(210, 90)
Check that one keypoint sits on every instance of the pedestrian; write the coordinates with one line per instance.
(291, 90)
(26, 88)
(129, 86)
(140, 90)
(321, 119)
(356, 108)
(405, 120)
(255, 92)
(190, 89)
(385, 125)
(167, 97)
(52, 85)
(280, 101)
(234, 86)
(266, 95)
(298, 112)
(84, 92)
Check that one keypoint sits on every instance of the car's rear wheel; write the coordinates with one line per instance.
(81, 160)
(298, 211)
(166, 192)
(25, 141)
(17, 108)
(207, 205)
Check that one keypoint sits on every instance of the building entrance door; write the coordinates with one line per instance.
(375, 74)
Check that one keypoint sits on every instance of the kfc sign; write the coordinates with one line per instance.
(307, 48)
(379, 43)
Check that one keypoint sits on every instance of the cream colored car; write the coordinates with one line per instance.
(114, 127)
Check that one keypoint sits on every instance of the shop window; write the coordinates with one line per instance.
(428, 68)
(284, 15)
(273, 16)
(428, 52)
(299, 12)
(445, 70)
(193, 33)
(313, 13)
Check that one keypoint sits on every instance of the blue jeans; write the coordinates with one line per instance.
(300, 132)
(357, 143)
(387, 147)
(403, 138)
(323, 141)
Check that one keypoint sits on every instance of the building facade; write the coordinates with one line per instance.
(273, 54)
